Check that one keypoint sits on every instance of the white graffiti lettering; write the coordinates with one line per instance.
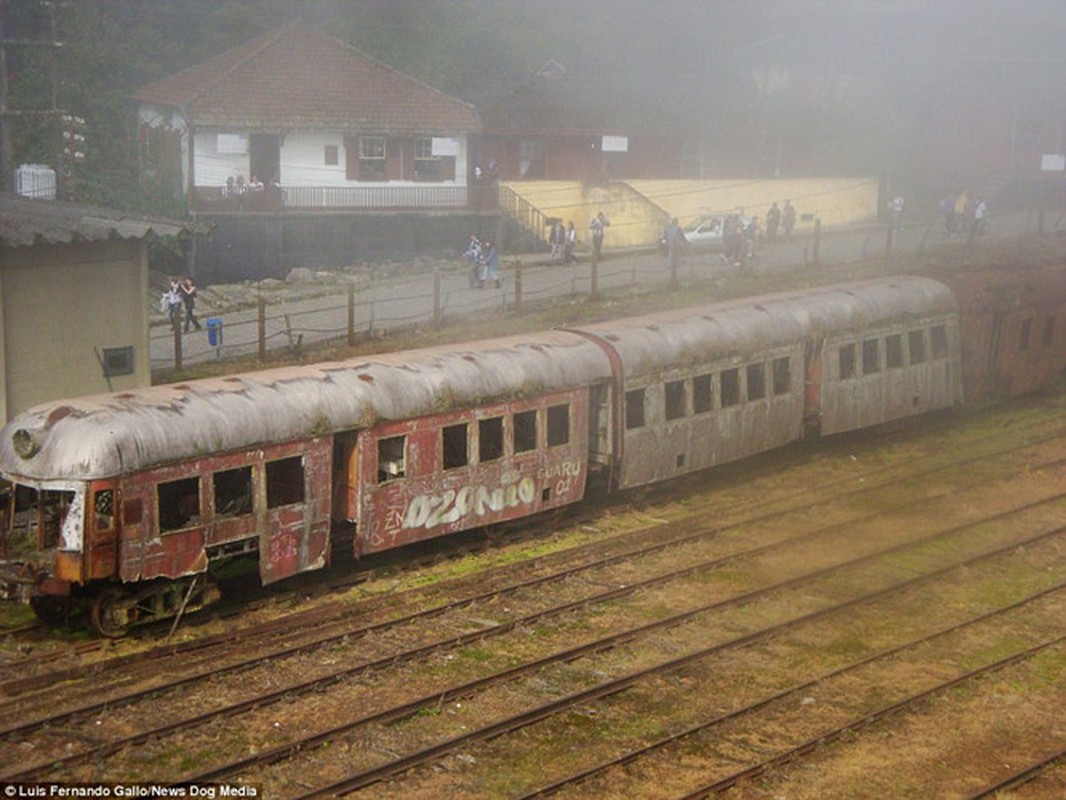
(447, 508)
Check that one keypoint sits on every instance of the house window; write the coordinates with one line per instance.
(427, 166)
(285, 482)
(391, 463)
(1023, 339)
(675, 400)
(1049, 331)
(332, 155)
(118, 361)
(702, 396)
(372, 157)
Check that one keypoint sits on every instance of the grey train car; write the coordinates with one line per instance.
(700, 387)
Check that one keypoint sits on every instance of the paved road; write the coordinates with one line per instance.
(404, 302)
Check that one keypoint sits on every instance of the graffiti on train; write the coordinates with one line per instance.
(452, 505)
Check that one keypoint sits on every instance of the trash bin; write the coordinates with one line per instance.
(214, 331)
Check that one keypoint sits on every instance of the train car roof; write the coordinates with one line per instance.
(105, 435)
(706, 333)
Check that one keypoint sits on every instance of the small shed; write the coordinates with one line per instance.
(73, 300)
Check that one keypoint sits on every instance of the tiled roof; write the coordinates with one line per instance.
(25, 221)
(300, 77)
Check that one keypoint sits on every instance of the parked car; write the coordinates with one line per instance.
(705, 233)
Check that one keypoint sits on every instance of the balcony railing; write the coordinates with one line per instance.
(339, 198)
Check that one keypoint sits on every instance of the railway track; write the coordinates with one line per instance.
(202, 660)
(663, 544)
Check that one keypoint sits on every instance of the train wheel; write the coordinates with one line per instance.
(51, 610)
(111, 613)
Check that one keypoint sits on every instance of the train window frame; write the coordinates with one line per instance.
(894, 351)
(1049, 332)
(674, 405)
(232, 501)
(938, 336)
(916, 350)
(392, 459)
(702, 393)
(558, 430)
(729, 381)
(286, 482)
(104, 510)
(755, 379)
(455, 446)
(173, 504)
(636, 411)
(781, 375)
(1024, 334)
(489, 439)
(847, 363)
(871, 356)
(524, 440)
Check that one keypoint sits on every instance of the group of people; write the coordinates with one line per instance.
(739, 238)
(962, 216)
(181, 293)
(236, 186)
(780, 219)
(562, 240)
(483, 261)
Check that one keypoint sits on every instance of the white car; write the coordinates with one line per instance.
(706, 232)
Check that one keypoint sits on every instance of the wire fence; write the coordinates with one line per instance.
(351, 314)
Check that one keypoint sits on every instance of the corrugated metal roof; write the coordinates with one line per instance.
(25, 221)
(105, 435)
(299, 77)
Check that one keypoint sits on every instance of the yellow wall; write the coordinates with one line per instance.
(61, 306)
(637, 209)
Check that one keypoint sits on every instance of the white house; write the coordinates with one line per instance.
(316, 122)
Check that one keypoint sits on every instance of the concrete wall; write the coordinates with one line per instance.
(60, 307)
(836, 201)
(638, 208)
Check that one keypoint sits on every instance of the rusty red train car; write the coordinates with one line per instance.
(127, 500)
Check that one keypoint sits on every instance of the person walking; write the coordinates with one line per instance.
(571, 240)
(597, 226)
(171, 301)
(788, 218)
(188, 296)
(773, 221)
(491, 260)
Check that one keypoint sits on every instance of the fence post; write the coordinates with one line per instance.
(888, 238)
(175, 324)
(262, 329)
(817, 241)
(436, 298)
(518, 286)
(351, 315)
(594, 276)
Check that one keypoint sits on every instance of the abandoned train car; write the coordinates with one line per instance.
(125, 500)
